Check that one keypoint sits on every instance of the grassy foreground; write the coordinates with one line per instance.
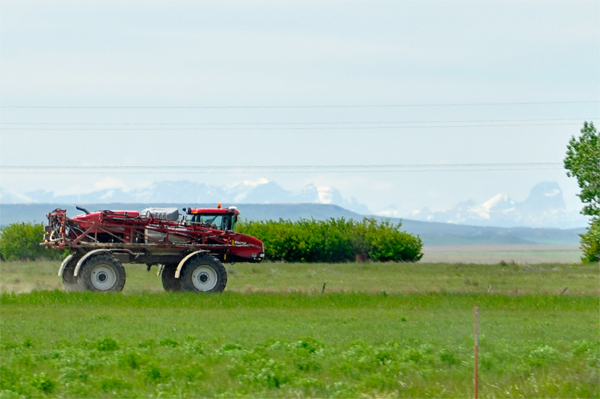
(378, 331)
(545, 279)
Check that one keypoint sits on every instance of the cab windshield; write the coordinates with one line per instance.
(219, 222)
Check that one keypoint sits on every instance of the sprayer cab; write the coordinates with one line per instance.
(220, 218)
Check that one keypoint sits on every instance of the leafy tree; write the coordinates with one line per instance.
(583, 163)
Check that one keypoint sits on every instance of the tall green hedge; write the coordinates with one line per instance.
(334, 240)
(21, 241)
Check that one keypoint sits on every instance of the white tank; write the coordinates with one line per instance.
(171, 214)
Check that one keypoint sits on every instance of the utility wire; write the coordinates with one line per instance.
(284, 123)
(284, 128)
(302, 106)
(48, 169)
(446, 165)
(273, 172)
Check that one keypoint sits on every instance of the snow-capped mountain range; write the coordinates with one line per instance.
(259, 191)
(544, 207)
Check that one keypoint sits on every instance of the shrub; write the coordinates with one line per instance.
(334, 240)
(388, 243)
(21, 241)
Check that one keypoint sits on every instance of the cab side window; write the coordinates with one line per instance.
(214, 221)
(221, 222)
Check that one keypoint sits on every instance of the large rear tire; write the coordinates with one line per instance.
(68, 278)
(169, 282)
(204, 274)
(102, 272)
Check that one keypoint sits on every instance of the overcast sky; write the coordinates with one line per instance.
(495, 82)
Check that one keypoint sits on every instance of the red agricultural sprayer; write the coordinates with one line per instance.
(189, 248)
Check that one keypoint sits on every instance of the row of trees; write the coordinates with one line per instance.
(334, 240)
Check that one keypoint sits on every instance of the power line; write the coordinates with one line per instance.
(233, 169)
(444, 165)
(285, 128)
(286, 123)
(277, 172)
(31, 125)
(302, 106)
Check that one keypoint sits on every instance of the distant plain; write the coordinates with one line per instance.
(496, 253)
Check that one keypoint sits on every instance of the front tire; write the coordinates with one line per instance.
(68, 278)
(204, 274)
(169, 282)
(103, 273)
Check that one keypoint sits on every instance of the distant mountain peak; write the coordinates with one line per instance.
(499, 200)
(498, 203)
(329, 195)
(546, 195)
(258, 191)
(247, 183)
(544, 207)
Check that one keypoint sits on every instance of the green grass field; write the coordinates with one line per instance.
(379, 330)
(545, 279)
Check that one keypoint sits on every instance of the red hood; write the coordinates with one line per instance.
(249, 240)
(95, 216)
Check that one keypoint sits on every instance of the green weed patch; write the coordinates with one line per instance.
(57, 344)
(301, 368)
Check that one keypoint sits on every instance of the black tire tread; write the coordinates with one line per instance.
(84, 275)
(68, 278)
(169, 282)
(204, 260)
